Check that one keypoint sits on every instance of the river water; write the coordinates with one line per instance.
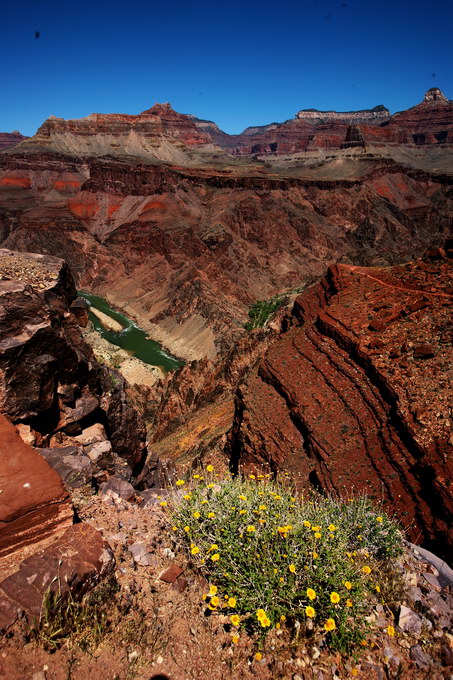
(132, 338)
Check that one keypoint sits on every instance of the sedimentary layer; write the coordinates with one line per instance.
(356, 396)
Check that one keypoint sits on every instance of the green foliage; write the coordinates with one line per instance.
(273, 559)
(260, 312)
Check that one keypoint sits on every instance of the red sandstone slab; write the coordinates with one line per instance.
(33, 501)
(75, 561)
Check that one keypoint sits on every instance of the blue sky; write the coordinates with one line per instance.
(237, 63)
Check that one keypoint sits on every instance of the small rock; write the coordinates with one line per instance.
(446, 655)
(409, 621)
(118, 486)
(433, 581)
(405, 644)
(160, 660)
(414, 594)
(171, 573)
(40, 675)
(91, 435)
(168, 552)
(315, 653)
(141, 554)
(180, 584)
(132, 656)
(424, 351)
(418, 655)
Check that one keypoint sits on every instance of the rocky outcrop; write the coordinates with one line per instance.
(50, 382)
(376, 116)
(34, 504)
(355, 396)
(10, 139)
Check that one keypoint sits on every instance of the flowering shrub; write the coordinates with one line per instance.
(273, 559)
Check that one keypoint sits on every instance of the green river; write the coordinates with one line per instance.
(132, 338)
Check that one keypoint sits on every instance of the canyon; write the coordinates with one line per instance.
(184, 228)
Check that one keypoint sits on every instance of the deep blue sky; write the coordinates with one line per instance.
(237, 63)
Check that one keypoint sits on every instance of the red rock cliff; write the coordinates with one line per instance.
(356, 396)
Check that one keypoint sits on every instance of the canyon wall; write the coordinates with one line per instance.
(356, 396)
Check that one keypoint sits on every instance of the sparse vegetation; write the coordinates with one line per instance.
(78, 621)
(260, 312)
(277, 560)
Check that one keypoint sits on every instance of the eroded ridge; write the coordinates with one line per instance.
(356, 396)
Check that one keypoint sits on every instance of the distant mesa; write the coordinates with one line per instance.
(435, 95)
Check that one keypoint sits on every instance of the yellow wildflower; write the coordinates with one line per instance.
(235, 639)
(243, 498)
(186, 529)
(197, 514)
(311, 594)
(250, 528)
(366, 569)
(317, 534)
(390, 631)
(310, 612)
(315, 555)
(265, 622)
(307, 524)
(242, 512)
(262, 507)
(292, 568)
(215, 601)
(195, 550)
(163, 503)
(235, 620)
(332, 527)
(377, 589)
(196, 476)
(214, 546)
(174, 528)
(252, 476)
(334, 598)
(213, 590)
(379, 519)
(348, 585)
(210, 468)
(215, 558)
(329, 625)
(258, 656)
(349, 603)
(180, 482)
(282, 617)
(187, 496)
(211, 515)
(232, 602)
(260, 614)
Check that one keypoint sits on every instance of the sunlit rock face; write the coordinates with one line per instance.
(355, 396)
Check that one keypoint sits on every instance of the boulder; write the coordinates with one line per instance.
(74, 468)
(33, 501)
(74, 562)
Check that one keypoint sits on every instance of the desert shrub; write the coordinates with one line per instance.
(275, 559)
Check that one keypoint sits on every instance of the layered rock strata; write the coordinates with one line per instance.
(187, 252)
(10, 139)
(356, 396)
